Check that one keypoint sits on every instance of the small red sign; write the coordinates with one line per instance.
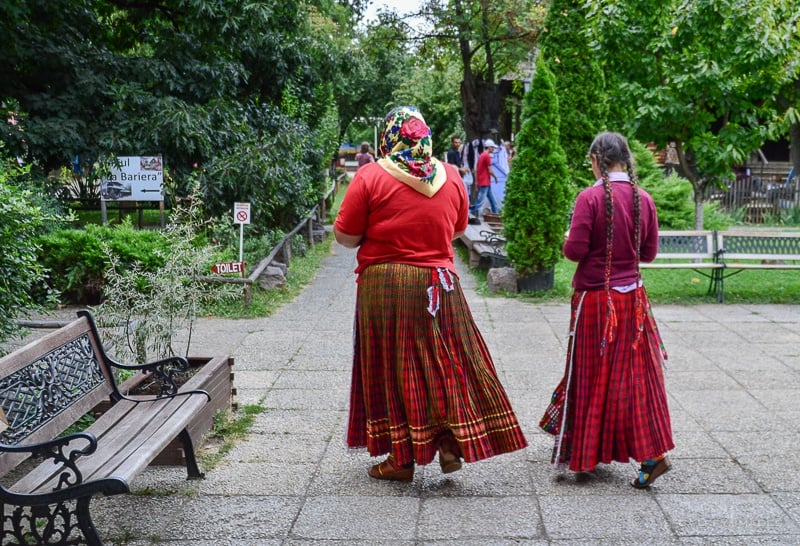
(229, 267)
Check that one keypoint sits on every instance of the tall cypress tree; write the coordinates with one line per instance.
(538, 195)
(579, 80)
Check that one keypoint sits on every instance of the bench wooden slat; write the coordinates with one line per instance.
(37, 480)
(166, 425)
(130, 435)
(670, 264)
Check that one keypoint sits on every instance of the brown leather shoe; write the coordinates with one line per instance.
(449, 455)
(389, 470)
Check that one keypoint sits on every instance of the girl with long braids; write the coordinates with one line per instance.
(611, 404)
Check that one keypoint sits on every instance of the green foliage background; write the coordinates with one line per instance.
(22, 275)
(579, 82)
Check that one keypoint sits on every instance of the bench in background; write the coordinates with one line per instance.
(751, 250)
(45, 388)
(484, 245)
(694, 250)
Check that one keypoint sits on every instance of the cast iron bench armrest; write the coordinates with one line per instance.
(163, 371)
(54, 449)
(70, 476)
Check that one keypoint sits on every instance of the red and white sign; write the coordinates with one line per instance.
(241, 213)
(229, 267)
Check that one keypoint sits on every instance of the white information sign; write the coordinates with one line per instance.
(241, 213)
(134, 178)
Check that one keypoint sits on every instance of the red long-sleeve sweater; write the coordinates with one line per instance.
(586, 242)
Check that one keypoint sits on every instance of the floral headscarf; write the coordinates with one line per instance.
(406, 147)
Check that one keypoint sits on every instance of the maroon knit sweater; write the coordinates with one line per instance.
(586, 243)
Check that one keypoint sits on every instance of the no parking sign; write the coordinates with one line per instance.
(241, 216)
(241, 213)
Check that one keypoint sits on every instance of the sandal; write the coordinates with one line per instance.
(650, 470)
(449, 455)
(389, 470)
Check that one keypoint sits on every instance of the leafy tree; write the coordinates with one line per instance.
(580, 83)
(491, 40)
(702, 74)
(538, 193)
(430, 88)
(788, 103)
(373, 67)
(197, 81)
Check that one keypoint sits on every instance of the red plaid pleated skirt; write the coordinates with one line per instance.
(616, 403)
(421, 367)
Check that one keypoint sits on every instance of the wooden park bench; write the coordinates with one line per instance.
(693, 250)
(485, 246)
(739, 251)
(45, 388)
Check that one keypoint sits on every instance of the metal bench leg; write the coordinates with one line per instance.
(191, 460)
(85, 522)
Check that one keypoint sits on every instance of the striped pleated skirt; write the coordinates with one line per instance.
(616, 402)
(421, 367)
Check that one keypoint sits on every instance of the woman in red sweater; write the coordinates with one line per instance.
(611, 404)
(423, 380)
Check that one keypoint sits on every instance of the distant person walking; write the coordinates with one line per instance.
(363, 157)
(423, 379)
(611, 404)
(455, 156)
(483, 178)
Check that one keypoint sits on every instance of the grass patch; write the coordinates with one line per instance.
(227, 430)
(672, 286)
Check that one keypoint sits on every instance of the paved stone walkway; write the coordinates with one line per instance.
(733, 380)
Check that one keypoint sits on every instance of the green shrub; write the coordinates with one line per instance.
(21, 272)
(77, 260)
(674, 200)
(538, 194)
(145, 307)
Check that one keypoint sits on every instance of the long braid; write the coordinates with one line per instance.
(611, 149)
(609, 202)
(637, 237)
(637, 211)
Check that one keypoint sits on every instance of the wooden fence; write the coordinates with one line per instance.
(283, 248)
(758, 197)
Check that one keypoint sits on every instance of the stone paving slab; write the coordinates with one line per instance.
(733, 382)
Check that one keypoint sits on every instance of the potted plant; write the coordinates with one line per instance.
(144, 311)
(538, 191)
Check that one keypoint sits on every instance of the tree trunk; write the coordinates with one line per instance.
(794, 147)
(698, 184)
(480, 100)
(698, 206)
